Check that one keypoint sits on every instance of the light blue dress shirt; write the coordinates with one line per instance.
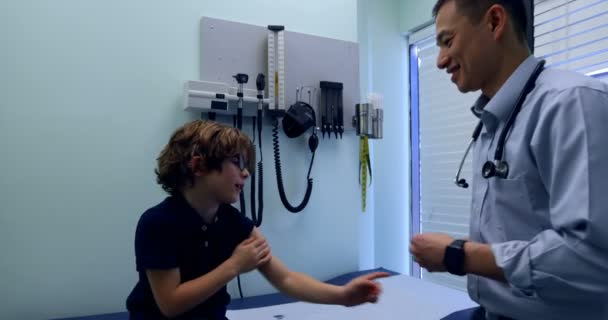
(547, 223)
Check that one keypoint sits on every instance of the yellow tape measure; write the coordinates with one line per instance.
(364, 168)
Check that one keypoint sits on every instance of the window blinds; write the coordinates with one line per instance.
(445, 125)
(572, 34)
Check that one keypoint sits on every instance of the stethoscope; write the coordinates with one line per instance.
(499, 167)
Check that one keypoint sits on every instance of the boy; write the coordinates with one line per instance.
(193, 243)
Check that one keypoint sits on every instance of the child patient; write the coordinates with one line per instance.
(189, 246)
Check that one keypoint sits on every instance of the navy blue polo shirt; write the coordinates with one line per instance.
(172, 235)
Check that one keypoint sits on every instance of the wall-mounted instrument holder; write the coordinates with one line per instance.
(368, 120)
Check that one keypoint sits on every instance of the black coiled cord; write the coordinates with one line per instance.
(277, 165)
(238, 279)
(256, 216)
(242, 196)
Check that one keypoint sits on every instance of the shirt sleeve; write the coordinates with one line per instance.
(155, 243)
(242, 225)
(570, 261)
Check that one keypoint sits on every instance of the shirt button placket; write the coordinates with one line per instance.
(205, 243)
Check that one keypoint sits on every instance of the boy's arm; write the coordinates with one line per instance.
(299, 285)
(303, 287)
(174, 298)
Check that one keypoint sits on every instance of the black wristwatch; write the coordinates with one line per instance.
(453, 259)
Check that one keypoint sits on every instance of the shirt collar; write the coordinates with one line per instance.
(496, 110)
(480, 103)
(183, 208)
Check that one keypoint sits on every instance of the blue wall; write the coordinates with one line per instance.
(89, 93)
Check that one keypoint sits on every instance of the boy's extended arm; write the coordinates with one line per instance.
(303, 287)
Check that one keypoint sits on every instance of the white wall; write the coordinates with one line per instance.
(415, 13)
(382, 33)
(387, 74)
(89, 93)
(367, 220)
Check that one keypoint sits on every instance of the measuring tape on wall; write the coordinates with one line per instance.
(276, 66)
(364, 168)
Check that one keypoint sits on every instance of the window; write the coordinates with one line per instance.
(603, 77)
(441, 129)
(572, 34)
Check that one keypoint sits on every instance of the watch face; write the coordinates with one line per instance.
(454, 258)
(454, 253)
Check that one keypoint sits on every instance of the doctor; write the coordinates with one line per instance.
(538, 245)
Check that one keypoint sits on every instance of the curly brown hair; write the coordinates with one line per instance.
(213, 141)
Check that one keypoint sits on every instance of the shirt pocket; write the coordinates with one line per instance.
(508, 212)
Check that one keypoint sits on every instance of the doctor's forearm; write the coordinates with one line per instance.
(479, 260)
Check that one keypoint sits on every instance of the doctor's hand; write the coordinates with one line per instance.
(363, 289)
(428, 250)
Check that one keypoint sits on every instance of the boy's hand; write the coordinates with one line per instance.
(250, 254)
(363, 289)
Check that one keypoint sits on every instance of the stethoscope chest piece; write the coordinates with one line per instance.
(498, 169)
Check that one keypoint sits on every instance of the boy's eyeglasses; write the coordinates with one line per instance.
(239, 161)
